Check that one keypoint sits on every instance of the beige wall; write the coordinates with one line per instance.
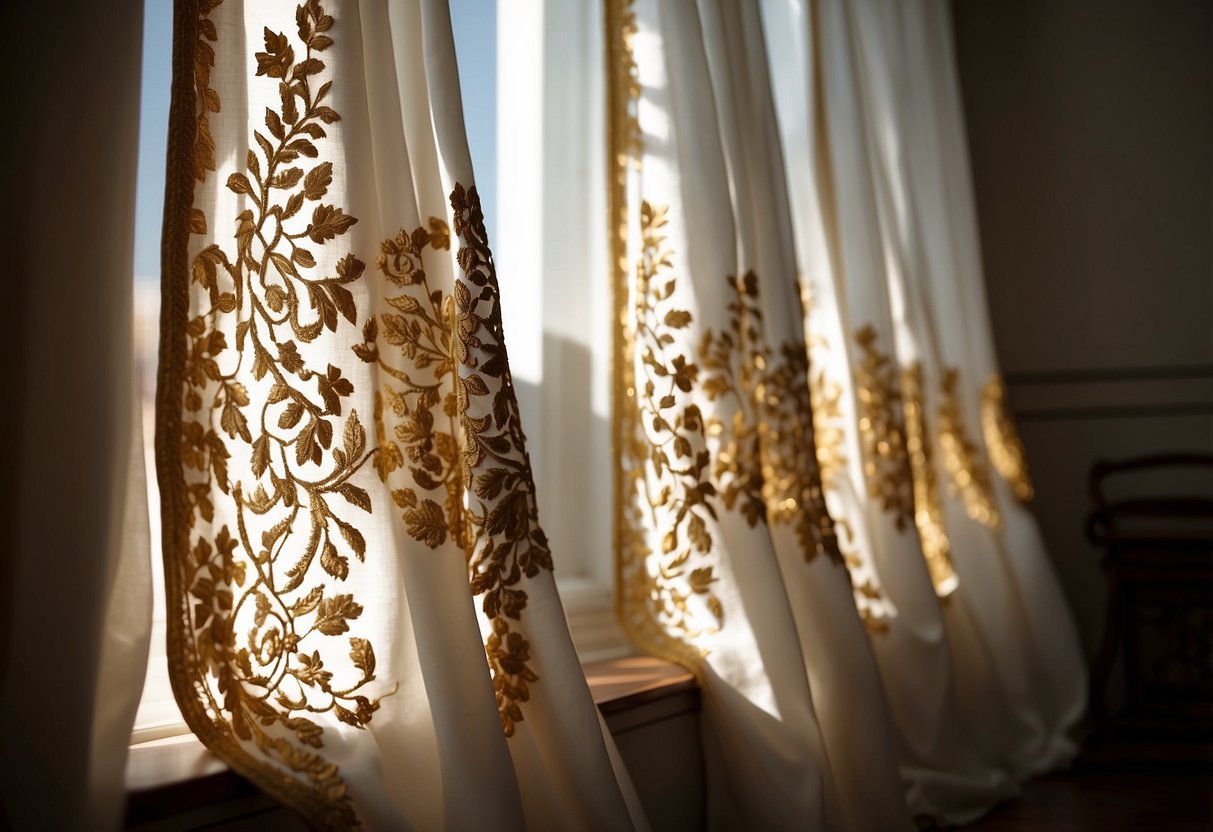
(1090, 126)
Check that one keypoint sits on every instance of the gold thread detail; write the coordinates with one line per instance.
(264, 579)
(460, 440)
(885, 466)
(829, 431)
(970, 479)
(1002, 439)
(759, 463)
(633, 599)
(928, 512)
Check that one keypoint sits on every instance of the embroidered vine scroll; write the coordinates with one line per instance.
(270, 480)
(264, 497)
(760, 463)
(461, 442)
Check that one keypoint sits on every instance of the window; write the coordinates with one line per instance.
(158, 715)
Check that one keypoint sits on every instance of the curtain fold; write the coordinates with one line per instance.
(74, 586)
(363, 618)
(730, 562)
(794, 235)
(906, 184)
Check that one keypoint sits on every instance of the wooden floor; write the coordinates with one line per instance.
(1100, 800)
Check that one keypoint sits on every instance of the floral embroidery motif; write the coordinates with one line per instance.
(761, 463)
(770, 451)
(928, 513)
(829, 430)
(680, 494)
(830, 435)
(885, 465)
(203, 156)
(461, 440)
(1002, 439)
(970, 477)
(270, 644)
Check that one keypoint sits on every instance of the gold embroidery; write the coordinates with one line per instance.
(638, 596)
(504, 537)
(208, 101)
(772, 388)
(928, 513)
(255, 619)
(865, 593)
(761, 463)
(423, 400)
(829, 429)
(830, 436)
(462, 442)
(970, 478)
(1002, 439)
(885, 466)
(673, 441)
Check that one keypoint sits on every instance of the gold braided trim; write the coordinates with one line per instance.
(928, 513)
(1002, 439)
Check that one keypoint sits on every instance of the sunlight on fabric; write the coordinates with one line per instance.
(520, 153)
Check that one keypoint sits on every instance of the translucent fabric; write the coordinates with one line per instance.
(363, 618)
(806, 394)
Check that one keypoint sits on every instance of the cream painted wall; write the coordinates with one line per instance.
(1090, 125)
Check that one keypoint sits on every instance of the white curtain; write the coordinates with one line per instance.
(792, 178)
(889, 254)
(363, 618)
(74, 584)
(729, 560)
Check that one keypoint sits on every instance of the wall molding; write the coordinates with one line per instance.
(1103, 375)
(1088, 393)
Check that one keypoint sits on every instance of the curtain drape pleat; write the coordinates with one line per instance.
(75, 588)
(904, 228)
(795, 234)
(363, 618)
(730, 562)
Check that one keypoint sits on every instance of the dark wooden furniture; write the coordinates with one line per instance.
(1158, 557)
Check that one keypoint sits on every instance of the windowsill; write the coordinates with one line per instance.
(177, 775)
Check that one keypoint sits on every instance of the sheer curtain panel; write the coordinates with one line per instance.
(363, 618)
(818, 483)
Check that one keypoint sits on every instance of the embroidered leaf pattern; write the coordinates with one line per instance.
(259, 624)
(886, 466)
(449, 435)
(928, 512)
(759, 461)
(970, 478)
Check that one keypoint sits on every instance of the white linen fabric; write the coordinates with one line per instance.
(887, 239)
(350, 522)
(74, 585)
(796, 726)
(799, 182)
